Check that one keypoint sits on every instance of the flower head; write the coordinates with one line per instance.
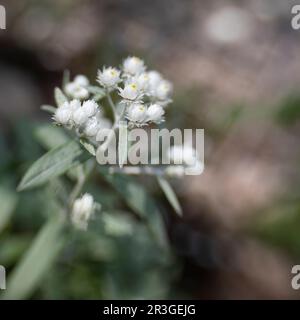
(133, 65)
(63, 114)
(155, 113)
(82, 210)
(90, 107)
(108, 77)
(137, 113)
(130, 91)
(74, 114)
(162, 90)
(142, 80)
(154, 79)
(77, 89)
(91, 127)
(79, 116)
(74, 104)
(81, 80)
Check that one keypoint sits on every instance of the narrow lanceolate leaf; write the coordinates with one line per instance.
(50, 137)
(88, 146)
(123, 141)
(48, 108)
(27, 275)
(54, 163)
(59, 96)
(8, 200)
(170, 195)
(137, 198)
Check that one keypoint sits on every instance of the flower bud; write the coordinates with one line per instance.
(75, 104)
(109, 77)
(76, 89)
(155, 113)
(79, 116)
(70, 88)
(133, 65)
(90, 107)
(81, 80)
(82, 210)
(163, 90)
(154, 79)
(63, 114)
(92, 127)
(81, 93)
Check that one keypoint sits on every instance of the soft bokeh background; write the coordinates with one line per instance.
(235, 66)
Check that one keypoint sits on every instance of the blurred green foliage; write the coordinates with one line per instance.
(120, 256)
(288, 111)
(279, 227)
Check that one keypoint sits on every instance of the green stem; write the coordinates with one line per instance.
(117, 118)
(112, 105)
(78, 187)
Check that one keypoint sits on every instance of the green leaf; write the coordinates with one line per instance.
(122, 146)
(37, 261)
(54, 163)
(137, 198)
(117, 223)
(170, 195)
(59, 96)
(12, 248)
(50, 136)
(48, 108)
(8, 200)
(88, 146)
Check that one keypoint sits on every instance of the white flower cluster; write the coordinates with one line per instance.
(77, 89)
(143, 97)
(144, 93)
(83, 209)
(86, 117)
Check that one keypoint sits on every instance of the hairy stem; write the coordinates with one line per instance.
(117, 118)
(112, 105)
(78, 187)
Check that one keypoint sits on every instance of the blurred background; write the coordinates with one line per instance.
(235, 66)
